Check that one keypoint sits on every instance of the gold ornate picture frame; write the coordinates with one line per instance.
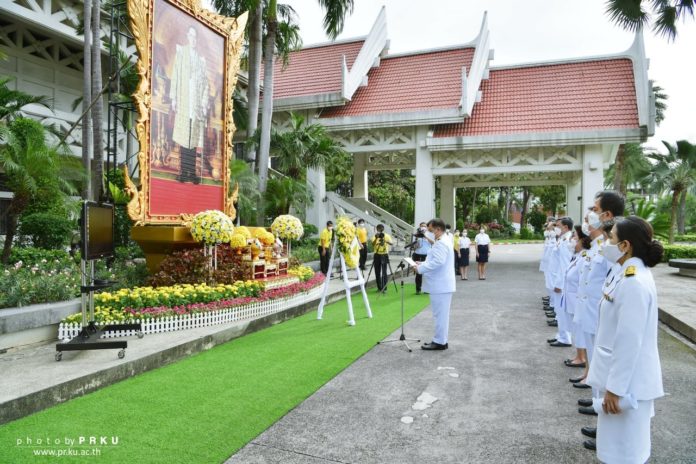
(188, 63)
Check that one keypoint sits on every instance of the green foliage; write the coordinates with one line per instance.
(685, 238)
(306, 252)
(47, 230)
(191, 267)
(394, 191)
(309, 229)
(536, 219)
(550, 197)
(122, 222)
(526, 234)
(663, 15)
(12, 101)
(39, 282)
(30, 256)
(485, 214)
(249, 195)
(285, 193)
(678, 252)
(648, 210)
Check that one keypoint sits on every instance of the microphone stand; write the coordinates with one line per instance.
(402, 338)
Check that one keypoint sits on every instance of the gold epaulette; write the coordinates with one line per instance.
(584, 253)
(630, 271)
(608, 298)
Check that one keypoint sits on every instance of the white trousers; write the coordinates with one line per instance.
(625, 438)
(579, 336)
(563, 334)
(441, 302)
(589, 341)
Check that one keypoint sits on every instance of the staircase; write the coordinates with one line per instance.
(372, 214)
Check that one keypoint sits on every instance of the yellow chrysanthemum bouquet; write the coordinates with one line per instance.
(212, 228)
(347, 242)
(287, 227)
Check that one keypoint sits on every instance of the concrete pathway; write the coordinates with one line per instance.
(500, 394)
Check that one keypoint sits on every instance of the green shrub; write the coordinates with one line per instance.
(495, 233)
(47, 230)
(685, 238)
(22, 285)
(678, 252)
(30, 256)
(526, 234)
(306, 253)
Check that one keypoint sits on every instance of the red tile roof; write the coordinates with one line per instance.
(313, 71)
(545, 98)
(424, 81)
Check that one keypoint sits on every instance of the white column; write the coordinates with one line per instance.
(447, 200)
(318, 212)
(425, 183)
(360, 175)
(592, 173)
(574, 200)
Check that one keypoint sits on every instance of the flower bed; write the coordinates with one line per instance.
(240, 303)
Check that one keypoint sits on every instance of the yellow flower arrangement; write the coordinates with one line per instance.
(238, 240)
(287, 227)
(211, 227)
(303, 273)
(267, 239)
(347, 244)
(243, 231)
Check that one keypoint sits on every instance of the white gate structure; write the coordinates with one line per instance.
(449, 114)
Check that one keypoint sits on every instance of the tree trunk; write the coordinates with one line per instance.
(98, 108)
(9, 237)
(525, 201)
(86, 100)
(619, 184)
(681, 218)
(255, 62)
(267, 115)
(673, 221)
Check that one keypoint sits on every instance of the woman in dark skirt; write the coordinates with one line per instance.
(463, 261)
(483, 243)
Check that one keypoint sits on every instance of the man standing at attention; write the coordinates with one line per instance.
(190, 96)
(380, 245)
(439, 282)
(362, 239)
(325, 239)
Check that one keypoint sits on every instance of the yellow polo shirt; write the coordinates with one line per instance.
(325, 238)
(362, 235)
(384, 248)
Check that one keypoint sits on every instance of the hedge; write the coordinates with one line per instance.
(678, 252)
(685, 238)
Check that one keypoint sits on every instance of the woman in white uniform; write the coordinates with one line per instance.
(483, 249)
(569, 301)
(626, 365)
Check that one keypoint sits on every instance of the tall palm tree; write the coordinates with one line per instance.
(31, 168)
(664, 14)
(630, 168)
(334, 18)
(670, 173)
(242, 175)
(12, 101)
(284, 193)
(687, 153)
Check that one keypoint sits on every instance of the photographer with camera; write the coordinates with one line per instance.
(423, 241)
(380, 245)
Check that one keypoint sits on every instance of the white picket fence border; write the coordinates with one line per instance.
(67, 331)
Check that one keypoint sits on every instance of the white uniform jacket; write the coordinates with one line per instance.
(437, 267)
(590, 289)
(562, 257)
(626, 360)
(570, 284)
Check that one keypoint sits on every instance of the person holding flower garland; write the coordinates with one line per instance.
(380, 244)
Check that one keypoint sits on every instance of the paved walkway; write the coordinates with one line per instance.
(502, 394)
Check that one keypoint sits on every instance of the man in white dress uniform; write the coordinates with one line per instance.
(439, 282)
(562, 256)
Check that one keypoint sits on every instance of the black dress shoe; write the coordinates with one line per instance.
(586, 402)
(558, 344)
(432, 346)
(576, 379)
(590, 445)
(589, 431)
(569, 363)
(581, 385)
(553, 323)
(589, 411)
(550, 340)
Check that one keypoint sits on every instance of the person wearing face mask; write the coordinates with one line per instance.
(325, 239)
(439, 283)
(569, 301)
(608, 205)
(483, 250)
(464, 247)
(561, 257)
(424, 241)
(550, 240)
(361, 232)
(626, 363)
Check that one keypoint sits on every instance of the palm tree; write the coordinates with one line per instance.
(31, 167)
(687, 153)
(335, 13)
(631, 14)
(12, 101)
(631, 167)
(285, 193)
(241, 174)
(647, 210)
(670, 173)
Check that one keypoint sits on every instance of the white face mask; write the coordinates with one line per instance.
(482, 231)
(612, 253)
(593, 220)
(557, 231)
(585, 228)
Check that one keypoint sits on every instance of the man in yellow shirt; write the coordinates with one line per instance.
(380, 245)
(362, 238)
(325, 239)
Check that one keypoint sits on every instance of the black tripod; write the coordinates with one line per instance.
(380, 245)
(402, 337)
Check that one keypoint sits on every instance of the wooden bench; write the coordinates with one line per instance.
(687, 267)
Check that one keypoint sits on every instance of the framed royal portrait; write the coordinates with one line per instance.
(188, 64)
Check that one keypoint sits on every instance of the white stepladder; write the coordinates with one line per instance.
(348, 286)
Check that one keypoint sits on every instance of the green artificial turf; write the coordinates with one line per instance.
(206, 407)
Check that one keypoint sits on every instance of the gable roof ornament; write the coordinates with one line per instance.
(478, 71)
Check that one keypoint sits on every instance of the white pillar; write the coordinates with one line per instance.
(447, 200)
(592, 173)
(574, 200)
(425, 183)
(317, 213)
(360, 175)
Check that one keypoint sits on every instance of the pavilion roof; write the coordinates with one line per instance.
(420, 81)
(586, 95)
